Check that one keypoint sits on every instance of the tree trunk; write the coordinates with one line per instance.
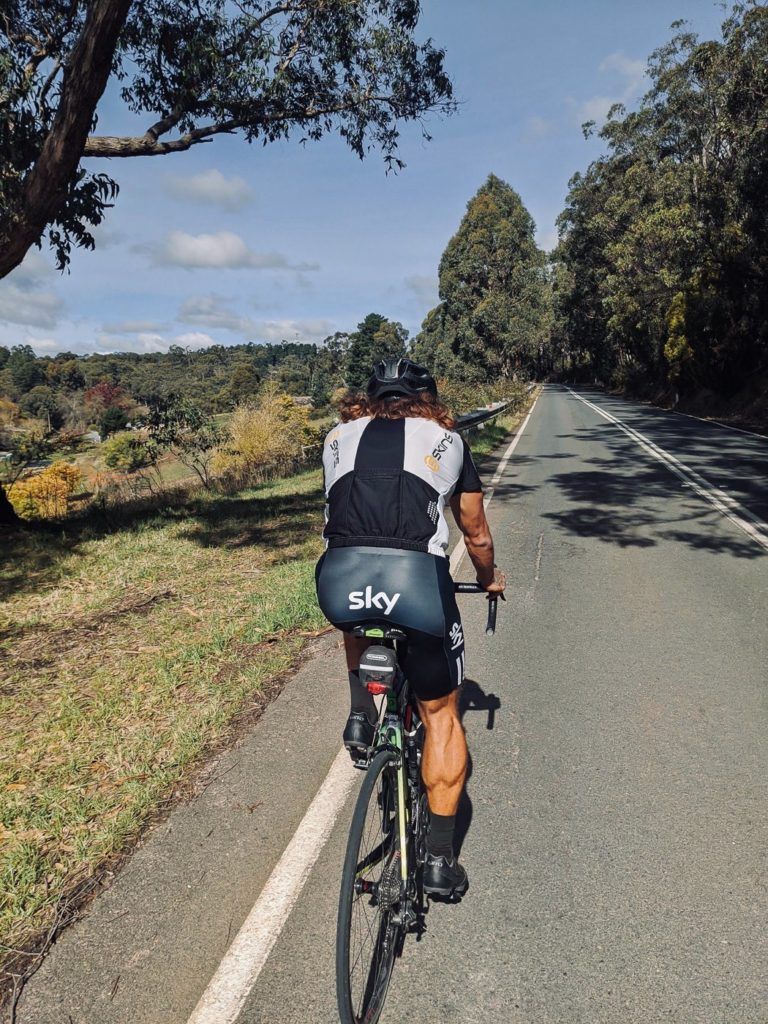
(8, 515)
(46, 185)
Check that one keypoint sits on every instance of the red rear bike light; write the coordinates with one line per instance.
(376, 687)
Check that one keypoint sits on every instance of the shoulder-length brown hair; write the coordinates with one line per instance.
(354, 405)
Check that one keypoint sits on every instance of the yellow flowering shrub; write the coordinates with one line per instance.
(268, 433)
(44, 495)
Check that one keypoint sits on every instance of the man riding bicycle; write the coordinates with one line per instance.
(390, 467)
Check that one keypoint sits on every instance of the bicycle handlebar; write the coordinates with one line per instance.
(493, 602)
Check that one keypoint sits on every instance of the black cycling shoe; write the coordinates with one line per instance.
(444, 876)
(358, 735)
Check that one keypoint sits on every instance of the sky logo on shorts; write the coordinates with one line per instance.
(367, 599)
(456, 635)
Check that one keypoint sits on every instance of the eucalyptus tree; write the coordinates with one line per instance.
(665, 237)
(493, 318)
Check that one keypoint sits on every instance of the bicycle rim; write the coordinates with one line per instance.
(367, 938)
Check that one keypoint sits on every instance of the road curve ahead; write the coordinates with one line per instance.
(616, 821)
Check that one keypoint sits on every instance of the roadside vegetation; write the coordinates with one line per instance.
(661, 273)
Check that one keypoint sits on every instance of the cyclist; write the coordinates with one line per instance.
(390, 467)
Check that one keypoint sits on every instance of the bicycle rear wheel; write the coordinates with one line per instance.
(368, 936)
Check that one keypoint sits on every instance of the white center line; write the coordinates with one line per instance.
(721, 500)
(230, 986)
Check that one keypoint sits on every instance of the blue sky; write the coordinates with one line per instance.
(230, 243)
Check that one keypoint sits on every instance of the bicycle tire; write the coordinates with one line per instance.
(365, 1006)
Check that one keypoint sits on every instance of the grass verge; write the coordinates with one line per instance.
(123, 657)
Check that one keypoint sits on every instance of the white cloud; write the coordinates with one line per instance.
(24, 301)
(44, 346)
(211, 187)
(293, 330)
(213, 311)
(131, 327)
(632, 71)
(547, 238)
(194, 339)
(223, 250)
(148, 341)
(20, 304)
(424, 287)
(630, 78)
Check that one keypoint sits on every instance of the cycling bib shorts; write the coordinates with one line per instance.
(412, 590)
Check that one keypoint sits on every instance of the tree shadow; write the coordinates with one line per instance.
(39, 555)
(472, 698)
(618, 499)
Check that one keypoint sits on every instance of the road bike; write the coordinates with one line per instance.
(382, 897)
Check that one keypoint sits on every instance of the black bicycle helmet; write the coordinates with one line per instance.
(395, 378)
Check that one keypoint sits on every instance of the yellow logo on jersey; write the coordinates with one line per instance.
(432, 462)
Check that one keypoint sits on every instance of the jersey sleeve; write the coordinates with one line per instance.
(469, 479)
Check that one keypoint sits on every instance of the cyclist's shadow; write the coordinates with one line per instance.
(472, 698)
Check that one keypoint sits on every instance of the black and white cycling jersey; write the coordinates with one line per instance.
(387, 483)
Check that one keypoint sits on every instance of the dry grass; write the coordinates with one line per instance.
(123, 656)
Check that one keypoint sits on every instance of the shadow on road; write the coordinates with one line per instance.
(626, 499)
(473, 698)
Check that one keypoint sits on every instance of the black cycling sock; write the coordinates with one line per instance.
(360, 699)
(440, 835)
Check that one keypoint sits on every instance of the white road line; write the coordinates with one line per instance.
(457, 556)
(717, 423)
(230, 986)
(236, 975)
(753, 526)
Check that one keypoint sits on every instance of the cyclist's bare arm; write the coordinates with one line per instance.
(469, 513)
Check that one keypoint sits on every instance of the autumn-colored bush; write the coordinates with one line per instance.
(44, 495)
(9, 412)
(271, 431)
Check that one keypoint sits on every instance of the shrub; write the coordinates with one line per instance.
(9, 412)
(270, 432)
(112, 421)
(128, 452)
(44, 495)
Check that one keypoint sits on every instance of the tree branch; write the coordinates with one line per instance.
(146, 145)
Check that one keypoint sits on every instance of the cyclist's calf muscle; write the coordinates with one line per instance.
(444, 758)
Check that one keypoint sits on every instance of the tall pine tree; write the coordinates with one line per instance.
(494, 315)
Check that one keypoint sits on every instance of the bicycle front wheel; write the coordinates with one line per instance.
(368, 933)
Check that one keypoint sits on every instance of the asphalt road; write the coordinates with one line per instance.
(616, 821)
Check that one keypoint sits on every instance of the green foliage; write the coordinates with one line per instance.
(677, 350)
(112, 420)
(177, 425)
(663, 255)
(493, 318)
(25, 370)
(192, 70)
(375, 338)
(41, 402)
(128, 452)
